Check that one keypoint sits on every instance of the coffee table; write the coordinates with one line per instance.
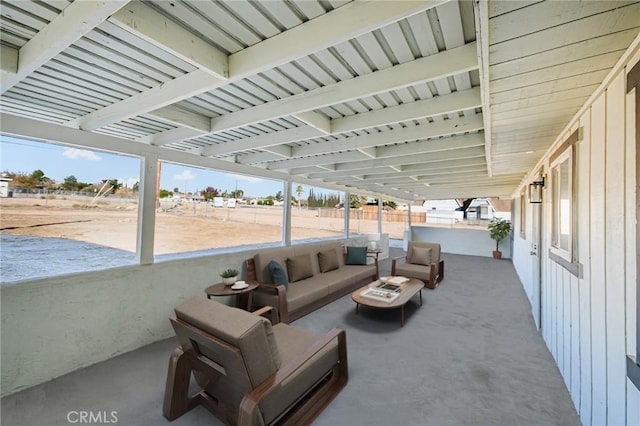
(407, 291)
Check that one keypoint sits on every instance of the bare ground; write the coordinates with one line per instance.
(179, 228)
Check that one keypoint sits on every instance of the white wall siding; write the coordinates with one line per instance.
(583, 162)
(589, 322)
(633, 395)
(615, 255)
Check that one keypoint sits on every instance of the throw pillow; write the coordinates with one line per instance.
(421, 256)
(328, 260)
(278, 276)
(356, 256)
(299, 268)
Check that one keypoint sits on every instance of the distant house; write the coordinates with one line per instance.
(4, 187)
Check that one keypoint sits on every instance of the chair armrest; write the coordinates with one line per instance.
(281, 292)
(273, 314)
(393, 263)
(249, 405)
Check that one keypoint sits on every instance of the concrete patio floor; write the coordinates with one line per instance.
(469, 356)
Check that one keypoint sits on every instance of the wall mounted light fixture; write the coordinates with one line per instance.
(535, 191)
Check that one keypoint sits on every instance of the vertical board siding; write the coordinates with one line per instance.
(575, 341)
(584, 254)
(589, 322)
(597, 263)
(633, 394)
(615, 256)
(566, 325)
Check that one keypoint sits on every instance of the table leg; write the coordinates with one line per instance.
(420, 297)
(357, 305)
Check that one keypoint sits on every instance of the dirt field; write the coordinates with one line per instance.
(179, 228)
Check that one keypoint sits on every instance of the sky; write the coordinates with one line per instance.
(58, 162)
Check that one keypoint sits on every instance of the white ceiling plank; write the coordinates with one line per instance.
(315, 120)
(170, 136)
(369, 152)
(159, 96)
(391, 137)
(435, 145)
(424, 69)
(587, 48)
(299, 41)
(559, 106)
(577, 68)
(623, 18)
(318, 160)
(526, 21)
(360, 164)
(280, 150)
(263, 141)
(346, 23)
(157, 29)
(498, 103)
(374, 51)
(397, 42)
(409, 111)
(182, 117)
(248, 10)
(8, 60)
(565, 83)
(78, 19)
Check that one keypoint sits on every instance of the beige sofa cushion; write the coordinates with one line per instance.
(435, 250)
(292, 342)
(299, 268)
(251, 334)
(421, 256)
(328, 261)
(420, 272)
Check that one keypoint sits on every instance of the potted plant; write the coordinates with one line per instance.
(498, 230)
(229, 276)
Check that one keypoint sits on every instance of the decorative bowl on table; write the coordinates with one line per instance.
(383, 279)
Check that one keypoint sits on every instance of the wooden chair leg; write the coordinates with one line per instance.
(176, 392)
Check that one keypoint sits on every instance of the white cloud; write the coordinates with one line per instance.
(186, 175)
(81, 154)
(247, 178)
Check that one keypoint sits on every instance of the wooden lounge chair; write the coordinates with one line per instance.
(422, 261)
(250, 372)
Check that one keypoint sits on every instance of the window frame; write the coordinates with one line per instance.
(523, 215)
(568, 259)
(557, 212)
(633, 360)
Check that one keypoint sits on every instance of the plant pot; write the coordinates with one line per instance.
(497, 254)
(230, 280)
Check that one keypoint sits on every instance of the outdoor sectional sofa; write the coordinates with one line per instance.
(302, 296)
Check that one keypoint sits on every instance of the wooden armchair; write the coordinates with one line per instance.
(250, 372)
(422, 261)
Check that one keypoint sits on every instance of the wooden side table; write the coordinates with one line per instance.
(243, 297)
(374, 253)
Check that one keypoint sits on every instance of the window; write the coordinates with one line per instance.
(202, 209)
(316, 212)
(561, 177)
(65, 209)
(523, 215)
(563, 213)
